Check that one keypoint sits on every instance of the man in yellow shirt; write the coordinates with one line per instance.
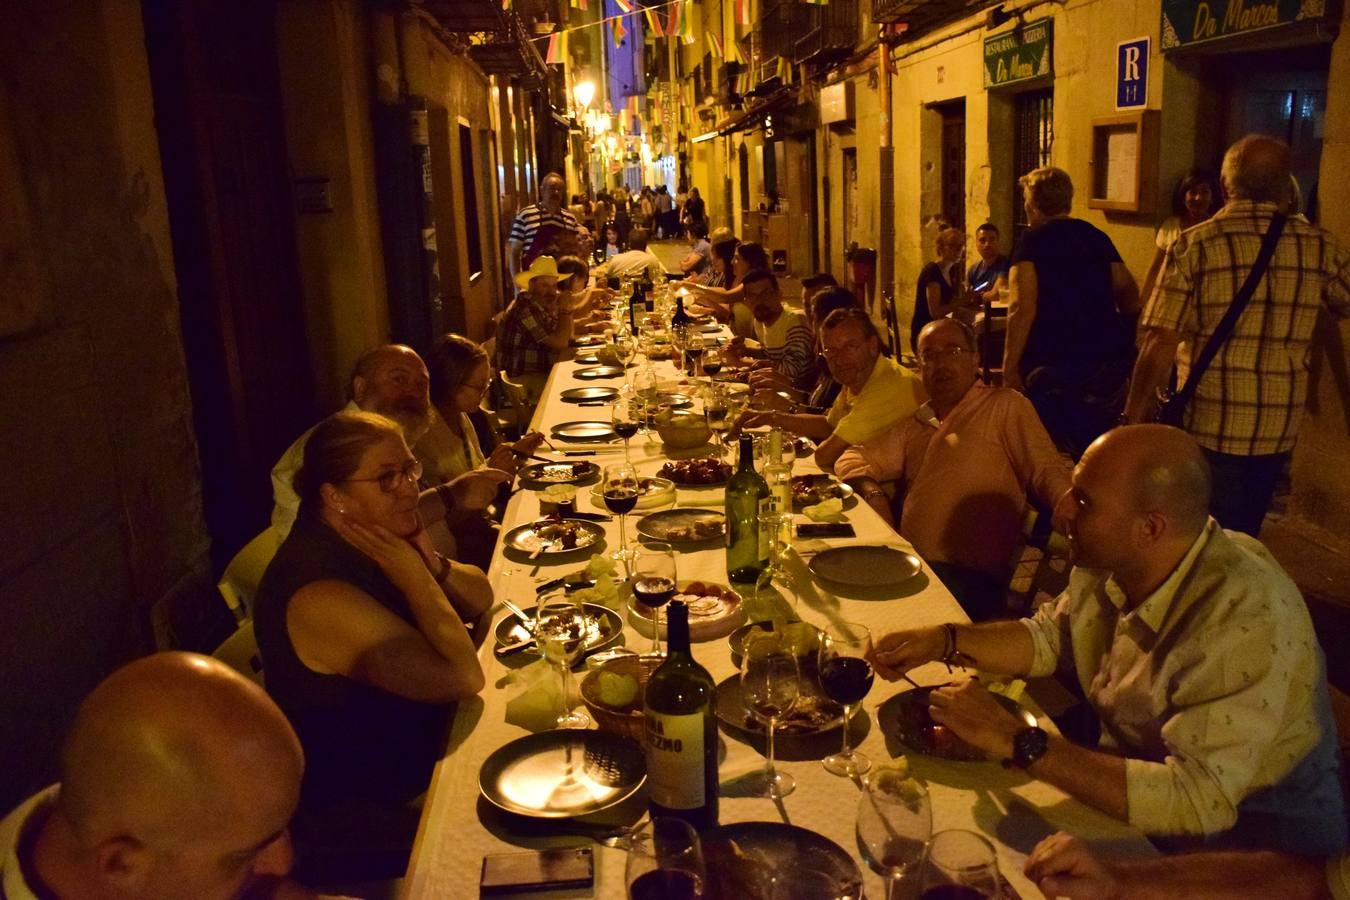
(877, 391)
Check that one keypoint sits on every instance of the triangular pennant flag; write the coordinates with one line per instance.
(674, 19)
(619, 31)
(686, 31)
(557, 48)
(624, 6)
(715, 43)
(654, 23)
(736, 55)
(742, 12)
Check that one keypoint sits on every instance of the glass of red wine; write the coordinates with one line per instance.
(665, 862)
(620, 490)
(960, 865)
(627, 417)
(654, 584)
(846, 677)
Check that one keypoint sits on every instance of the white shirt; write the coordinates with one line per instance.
(13, 886)
(285, 500)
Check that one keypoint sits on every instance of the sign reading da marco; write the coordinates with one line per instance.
(1019, 55)
(1186, 22)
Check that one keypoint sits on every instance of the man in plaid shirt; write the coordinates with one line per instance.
(535, 328)
(1249, 403)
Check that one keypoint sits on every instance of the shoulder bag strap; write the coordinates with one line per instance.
(1235, 309)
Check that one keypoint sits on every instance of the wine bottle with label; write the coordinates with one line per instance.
(680, 707)
(679, 317)
(748, 501)
(778, 475)
(637, 306)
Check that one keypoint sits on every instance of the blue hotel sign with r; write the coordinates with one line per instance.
(1132, 74)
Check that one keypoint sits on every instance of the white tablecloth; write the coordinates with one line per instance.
(1008, 807)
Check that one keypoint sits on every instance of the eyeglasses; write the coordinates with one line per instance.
(933, 357)
(391, 480)
(850, 348)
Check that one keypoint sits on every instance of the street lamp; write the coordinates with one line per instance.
(584, 92)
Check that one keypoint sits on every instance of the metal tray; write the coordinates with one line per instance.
(731, 711)
(584, 394)
(772, 848)
(667, 524)
(561, 472)
(527, 538)
(865, 565)
(581, 432)
(531, 776)
(599, 372)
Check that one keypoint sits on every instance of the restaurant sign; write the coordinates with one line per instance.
(1019, 55)
(1188, 22)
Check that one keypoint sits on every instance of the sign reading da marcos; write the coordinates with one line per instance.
(1019, 55)
(1187, 22)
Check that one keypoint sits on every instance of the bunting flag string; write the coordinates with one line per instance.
(742, 12)
(619, 31)
(715, 44)
(557, 48)
(654, 23)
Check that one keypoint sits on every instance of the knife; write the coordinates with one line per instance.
(526, 621)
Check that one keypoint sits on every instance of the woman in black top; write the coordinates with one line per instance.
(940, 291)
(361, 626)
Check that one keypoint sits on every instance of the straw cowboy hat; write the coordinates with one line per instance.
(721, 235)
(542, 267)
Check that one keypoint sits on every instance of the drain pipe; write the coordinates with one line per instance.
(886, 169)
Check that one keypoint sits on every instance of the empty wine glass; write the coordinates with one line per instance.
(560, 627)
(654, 584)
(718, 413)
(620, 490)
(895, 819)
(846, 677)
(960, 865)
(665, 862)
(625, 348)
(769, 689)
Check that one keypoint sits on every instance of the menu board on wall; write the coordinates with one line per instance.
(1019, 55)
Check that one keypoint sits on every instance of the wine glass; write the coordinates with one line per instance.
(693, 351)
(717, 410)
(712, 359)
(625, 417)
(654, 584)
(846, 677)
(769, 689)
(620, 490)
(625, 348)
(665, 862)
(960, 865)
(895, 819)
(560, 626)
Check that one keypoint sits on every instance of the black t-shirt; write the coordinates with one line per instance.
(929, 274)
(1077, 326)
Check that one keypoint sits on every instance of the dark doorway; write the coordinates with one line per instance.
(953, 162)
(1033, 135)
(217, 97)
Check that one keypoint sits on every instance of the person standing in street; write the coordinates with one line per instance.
(538, 227)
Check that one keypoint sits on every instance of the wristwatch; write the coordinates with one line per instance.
(1029, 745)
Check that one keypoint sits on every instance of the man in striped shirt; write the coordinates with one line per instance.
(786, 344)
(1248, 406)
(540, 226)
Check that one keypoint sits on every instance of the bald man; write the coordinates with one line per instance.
(1248, 404)
(179, 778)
(1191, 645)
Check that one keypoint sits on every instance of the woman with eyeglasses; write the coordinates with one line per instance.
(361, 625)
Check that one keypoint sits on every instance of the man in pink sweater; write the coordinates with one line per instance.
(963, 466)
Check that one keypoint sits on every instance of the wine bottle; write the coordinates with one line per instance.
(778, 475)
(680, 706)
(637, 306)
(679, 317)
(748, 501)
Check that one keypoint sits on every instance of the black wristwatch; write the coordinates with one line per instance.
(1029, 745)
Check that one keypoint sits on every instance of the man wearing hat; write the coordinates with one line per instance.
(535, 328)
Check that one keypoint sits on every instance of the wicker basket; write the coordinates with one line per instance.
(631, 723)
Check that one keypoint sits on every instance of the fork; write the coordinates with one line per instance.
(622, 838)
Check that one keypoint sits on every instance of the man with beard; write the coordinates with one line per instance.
(178, 779)
(963, 466)
(785, 343)
(390, 380)
(1191, 645)
(536, 328)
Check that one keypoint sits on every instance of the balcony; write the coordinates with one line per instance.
(466, 16)
(781, 23)
(832, 32)
(921, 15)
(509, 51)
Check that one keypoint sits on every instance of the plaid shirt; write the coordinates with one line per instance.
(1250, 400)
(520, 344)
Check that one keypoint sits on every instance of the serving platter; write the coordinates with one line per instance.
(683, 526)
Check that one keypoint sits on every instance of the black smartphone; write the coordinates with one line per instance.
(825, 529)
(565, 868)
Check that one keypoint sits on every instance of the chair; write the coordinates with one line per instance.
(239, 583)
(893, 337)
(240, 652)
(516, 398)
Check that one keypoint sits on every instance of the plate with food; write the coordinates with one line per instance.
(802, 637)
(865, 566)
(742, 859)
(906, 716)
(652, 492)
(553, 537)
(714, 611)
(702, 472)
(582, 432)
(683, 526)
(589, 394)
(813, 713)
(808, 490)
(562, 472)
(604, 629)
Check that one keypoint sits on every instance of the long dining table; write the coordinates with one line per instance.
(458, 828)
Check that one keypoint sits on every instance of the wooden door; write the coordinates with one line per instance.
(954, 163)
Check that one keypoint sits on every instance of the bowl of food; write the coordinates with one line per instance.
(612, 693)
(682, 430)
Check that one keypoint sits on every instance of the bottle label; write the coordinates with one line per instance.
(766, 505)
(675, 760)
